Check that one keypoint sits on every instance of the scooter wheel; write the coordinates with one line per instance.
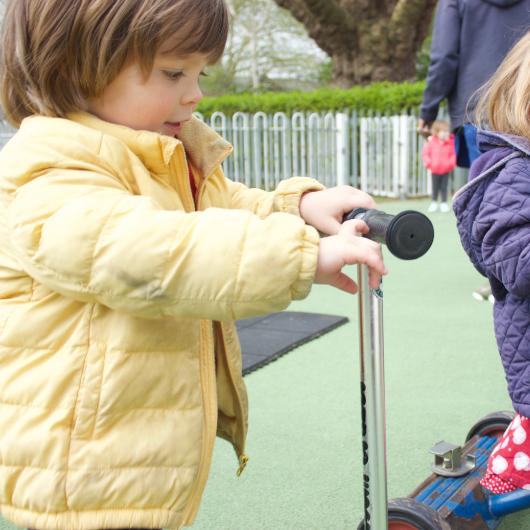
(492, 424)
(410, 514)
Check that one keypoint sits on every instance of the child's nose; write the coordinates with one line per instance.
(193, 95)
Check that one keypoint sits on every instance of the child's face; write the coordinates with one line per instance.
(160, 103)
(443, 134)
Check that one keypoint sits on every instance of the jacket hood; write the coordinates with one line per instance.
(502, 3)
(496, 150)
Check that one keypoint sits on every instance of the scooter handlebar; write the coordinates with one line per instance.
(408, 235)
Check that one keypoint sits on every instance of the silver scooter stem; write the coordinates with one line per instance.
(373, 403)
(408, 235)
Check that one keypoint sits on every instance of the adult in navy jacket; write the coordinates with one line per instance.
(470, 39)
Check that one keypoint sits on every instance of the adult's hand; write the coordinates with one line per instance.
(424, 128)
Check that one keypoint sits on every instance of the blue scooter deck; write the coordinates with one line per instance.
(460, 501)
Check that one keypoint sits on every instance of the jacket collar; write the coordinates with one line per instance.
(202, 144)
(490, 140)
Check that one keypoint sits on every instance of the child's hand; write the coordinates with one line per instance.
(325, 209)
(348, 248)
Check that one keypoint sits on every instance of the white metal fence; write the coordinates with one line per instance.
(378, 153)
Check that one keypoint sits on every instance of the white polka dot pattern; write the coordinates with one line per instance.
(521, 461)
(499, 465)
(509, 462)
(519, 436)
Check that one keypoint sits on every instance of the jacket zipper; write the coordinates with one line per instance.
(207, 377)
(242, 457)
(208, 383)
(208, 389)
(183, 187)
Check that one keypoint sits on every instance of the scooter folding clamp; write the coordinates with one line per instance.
(448, 461)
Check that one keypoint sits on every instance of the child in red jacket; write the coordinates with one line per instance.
(440, 158)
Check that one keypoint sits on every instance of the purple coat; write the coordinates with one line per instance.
(493, 219)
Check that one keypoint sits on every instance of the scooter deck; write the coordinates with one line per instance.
(460, 502)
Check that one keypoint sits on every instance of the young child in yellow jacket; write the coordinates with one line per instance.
(126, 256)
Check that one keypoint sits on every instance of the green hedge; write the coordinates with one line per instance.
(379, 97)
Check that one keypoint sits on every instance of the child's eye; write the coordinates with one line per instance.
(203, 74)
(173, 75)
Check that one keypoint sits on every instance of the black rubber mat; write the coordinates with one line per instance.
(264, 339)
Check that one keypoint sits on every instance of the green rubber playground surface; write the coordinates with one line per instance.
(443, 373)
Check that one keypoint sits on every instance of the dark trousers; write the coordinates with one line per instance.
(440, 183)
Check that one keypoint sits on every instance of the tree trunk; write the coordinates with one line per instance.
(367, 40)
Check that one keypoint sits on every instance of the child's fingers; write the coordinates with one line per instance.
(330, 225)
(348, 249)
(344, 283)
(362, 250)
(354, 227)
(374, 279)
(369, 253)
(355, 198)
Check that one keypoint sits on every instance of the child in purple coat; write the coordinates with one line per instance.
(493, 216)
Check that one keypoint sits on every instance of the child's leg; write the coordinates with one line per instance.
(443, 183)
(443, 186)
(509, 462)
(435, 186)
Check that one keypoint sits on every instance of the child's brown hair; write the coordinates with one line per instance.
(439, 126)
(57, 53)
(504, 103)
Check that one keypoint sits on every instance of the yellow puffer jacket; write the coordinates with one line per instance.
(119, 360)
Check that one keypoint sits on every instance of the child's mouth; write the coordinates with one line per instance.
(173, 127)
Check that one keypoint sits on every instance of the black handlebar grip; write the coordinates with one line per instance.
(408, 235)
